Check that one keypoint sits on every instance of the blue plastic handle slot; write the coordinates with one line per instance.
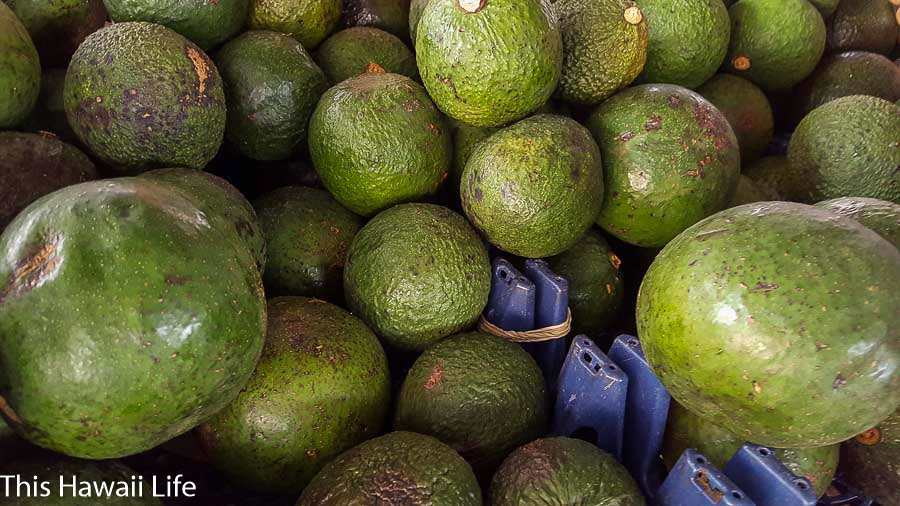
(757, 470)
(693, 481)
(551, 305)
(512, 298)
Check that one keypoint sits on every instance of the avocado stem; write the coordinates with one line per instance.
(870, 437)
(633, 15)
(741, 62)
(374, 68)
(471, 6)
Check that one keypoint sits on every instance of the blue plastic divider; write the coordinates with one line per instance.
(694, 482)
(551, 307)
(511, 301)
(766, 480)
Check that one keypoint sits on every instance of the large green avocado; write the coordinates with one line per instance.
(126, 318)
(207, 23)
(377, 140)
(33, 165)
(489, 62)
(747, 110)
(534, 188)
(272, 86)
(848, 147)
(400, 468)
(308, 21)
(670, 159)
(141, 97)
(348, 53)
(482, 395)
(747, 319)
(20, 70)
(561, 470)
(871, 460)
(321, 387)
(881, 216)
(391, 16)
(57, 27)
(866, 25)
(49, 114)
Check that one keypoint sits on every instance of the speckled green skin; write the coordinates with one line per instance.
(222, 204)
(534, 188)
(49, 114)
(416, 8)
(393, 470)
(784, 40)
(20, 70)
(308, 234)
(826, 7)
(115, 336)
(207, 23)
(746, 318)
(465, 138)
(875, 469)
(321, 387)
(602, 52)
(688, 40)
(866, 25)
(347, 53)
(881, 216)
(57, 27)
(670, 159)
(141, 97)
(391, 16)
(417, 273)
(686, 430)
(749, 191)
(849, 146)
(308, 21)
(561, 470)
(481, 394)
(490, 67)
(747, 110)
(32, 166)
(774, 173)
(377, 140)
(272, 86)
(595, 283)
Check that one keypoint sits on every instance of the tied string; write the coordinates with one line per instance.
(528, 336)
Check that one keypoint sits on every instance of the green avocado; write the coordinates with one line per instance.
(115, 336)
(20, 70)
(773, 175)
(670, 159)
(749, 191)
(141, 97)
(377, 140)
(826, 7)
(349, 52)
(534, 188)
(848, 147)
(272, 86)
(881, 216)
(747, 110)
(57, 27)
(308, 21)
(871, 460)
(321, 387)
(399, 468)
(391, 16)
(49, 113)
(785, 342)
(865, 25)
(489, 62)
(465, 139)
(481, 394)
(688, 40)
(416, 8)
(206, 23)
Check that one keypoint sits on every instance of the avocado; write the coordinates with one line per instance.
(377, 140)
(465, 139)
(481, 394)
(685, 429)
(349, 52)
(534, 188)
(769, 348)
(416, 8)
(33, 165)
(773, 175)
(307, 236)
(670, 159)
(881, 216)
(489, 62)
(775, 43)
(49, 113)
(398, 468)
(604, 48)
(20, 70)
(272, 86)
(562, 470)
(747, 110)
(206, 23)
(826, 7)
(688, 40)
(107, 317)
(308, 21)
(57, 27)
(871, 460)
(749, 191)
(141, 97)
(848, 147)
(321, 387)
(391, 16)
(865, 25)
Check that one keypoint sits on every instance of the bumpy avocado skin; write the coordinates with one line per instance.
(141, 97)
(348, 53)
(873, 463)
(391, 16)
(747, 110)
(308, 21)
(866, 25)
(206, 23)
(670, 159)
(416, 8)
(749, 191)
(20, 70)
(57, 27)
(773, 173)
(879, 215)
(774, 321)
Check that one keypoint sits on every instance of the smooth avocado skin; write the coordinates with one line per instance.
(879, 215)
(308, 21)
(670, 159)
(307, 235)
(492, 66)
(768, 348)
(866, 25)
(272, 86)
(534, 188)
(398, 468)
(57, 27)
(481, 394)
(171, 333)
(206, 23)
(848, 147)
(871, 460)
(688, 40)
(348, 53)
(562, 470)
(747, 110)
(377, 140)
(142, 97)
(391, 16)
(20, 70)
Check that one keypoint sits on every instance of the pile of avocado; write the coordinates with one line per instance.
(251, 241)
